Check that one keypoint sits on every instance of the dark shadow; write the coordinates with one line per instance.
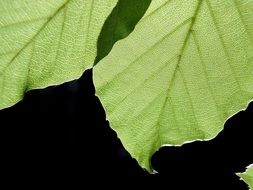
(61, 132)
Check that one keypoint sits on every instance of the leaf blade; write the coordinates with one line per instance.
(179, 80)
(47, 43)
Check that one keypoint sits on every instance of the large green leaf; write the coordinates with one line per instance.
(248, 176)
(46, 42)
(184, 70)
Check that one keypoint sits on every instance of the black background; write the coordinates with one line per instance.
(61, 132)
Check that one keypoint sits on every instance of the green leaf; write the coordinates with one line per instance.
(248, 176)
(184, 70)
(46, 42)
(119, 24)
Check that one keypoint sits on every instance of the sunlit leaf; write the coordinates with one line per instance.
(46, 42)
(184, 70)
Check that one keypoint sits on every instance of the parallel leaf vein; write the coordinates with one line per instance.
(223, 44)
(193, 19)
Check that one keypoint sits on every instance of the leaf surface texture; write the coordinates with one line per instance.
(45, 42)
(184, 70)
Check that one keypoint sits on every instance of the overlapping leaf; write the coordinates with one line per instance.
(46, 42)
(120, 24)
(185, 69)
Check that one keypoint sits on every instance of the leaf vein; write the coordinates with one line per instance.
(154, 74)
(193, 19)
(147, 51)
(242, 20)
(223, 44)
(24, 22)
(205, 71)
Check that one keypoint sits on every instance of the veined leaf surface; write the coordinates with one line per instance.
(186, 68)
(46, 42)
